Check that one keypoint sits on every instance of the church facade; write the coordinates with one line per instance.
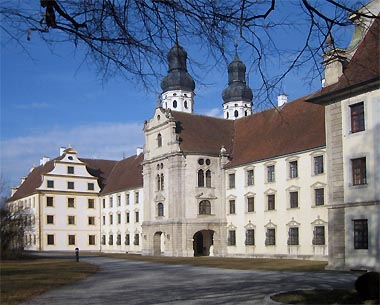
(246, 185)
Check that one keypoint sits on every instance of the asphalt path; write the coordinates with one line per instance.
(122, 281)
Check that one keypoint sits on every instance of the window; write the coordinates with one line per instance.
(136, 240)
(104, 220)
(319, 196)
(270, 239)
(91, 240)
(103, 239)
(318, 165)
(208, 178)
(90, 186)
(361, 234)
(71, 220)
(50, 219)
(111, 202)
(118, 239)
(70, 169)
(119, 218)
(127, 239)
(50, 184)
(250, 237)
(110, 240)
(293, 200)
(91, 220)
(159, 140)
(70, 185)
(293, 236)
(160, 209)
(236, 113)
(232, 238)
(70, 202)
(104, 203)
(136, 216)
(271, 202)
(49, 201)
(91, 203)
(127, 198)
(270, 173)
(71, 240)
(185, 104)
(293, 169)
(137, 197)
(357, 117)
(205, 207)
(50, 239)
(162, 182)
(359, 175)
(111, 219)
(250, 204)
(250, 177)
(319, 236)
(231, 179)
(118, 200)
(127, 217)
(158, 182)
(201, 181)
(174, 104)
(232, 206)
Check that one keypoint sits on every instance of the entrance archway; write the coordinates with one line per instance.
(202, 241)
(157, 243)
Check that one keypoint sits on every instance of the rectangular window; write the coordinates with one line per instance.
(250, 237)
(70, 202)
(127, 198)
(293, 169)
(91, 220)
(319, 196)
(319, 236)
(50, 239)
(50, 184)
(104, 203)
(110, 240)
(104, 220)
(90, 186)
(111, 219)
(232, 238)
(119, 218)
(231, 179)
(70, 169)
(137, 197)
(271, 202)
(50, 219)
(270, 239)
(136, 216)
(361, 233)
(270, 173)
(118, 200)
(136, 241)
(127, 240)
(250, 204)
(111, 202)
(91, 240)
(232, 206)
(118, 239)
(293, 200)
(250, 177)
(293, 237)
(357, 117)
(71, 220)
(91, 203)
(49, 201)
(71, 240)
(103, 239)
(318, 165)
(70, 185)
(127, 217)
(359, 171)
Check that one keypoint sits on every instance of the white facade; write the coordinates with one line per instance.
(178, 100)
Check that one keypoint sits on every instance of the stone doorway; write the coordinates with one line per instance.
(202, 242)
(157, 243)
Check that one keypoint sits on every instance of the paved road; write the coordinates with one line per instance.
(133, 282)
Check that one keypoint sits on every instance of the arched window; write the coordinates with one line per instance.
(205, 207)
(162, 182)
(174, 104)
(159, 140)
(158, 182)
(228, 115)
(201, 178)
(236, 113)
(185, 104)
(160, 209)
(208, 178)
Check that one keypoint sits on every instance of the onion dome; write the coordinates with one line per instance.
(237, 89)
(178, 78)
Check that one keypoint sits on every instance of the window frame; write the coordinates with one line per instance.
(50, 184)
(293, 236)
(49, 201)
(271, 173)
(360, 231)
(231, 180)
(293, 169)
(294, 199)
(204, 207)
(70, 185)
(271, 202)
(318, 165)
(317, 197)
(319, 237)
(231, 240)
(250, 237)
(359, 171)
(252, 204)
(250, 174)
(70, 170)
(357, 117)
(269, 239)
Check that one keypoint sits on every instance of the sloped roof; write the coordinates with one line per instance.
(203, 134)
(126, 174)
(296, 126)
(362, 71)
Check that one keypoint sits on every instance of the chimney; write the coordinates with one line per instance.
(61, 150)
(44, 160)
(282, 99)
(139, 150)
(334, 61)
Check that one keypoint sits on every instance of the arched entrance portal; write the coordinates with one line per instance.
(157, 243)
(203, 240)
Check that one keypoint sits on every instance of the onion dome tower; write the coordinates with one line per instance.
(237, 96)
(178, 86)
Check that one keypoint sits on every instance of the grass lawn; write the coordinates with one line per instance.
(231, 263)
(319, 296)
(22, 279)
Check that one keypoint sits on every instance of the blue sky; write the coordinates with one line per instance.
(51, 98)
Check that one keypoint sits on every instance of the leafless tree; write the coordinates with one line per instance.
(132, 36)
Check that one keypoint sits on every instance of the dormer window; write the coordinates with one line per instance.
(159, 140)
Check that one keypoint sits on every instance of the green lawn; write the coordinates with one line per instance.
(22, 279)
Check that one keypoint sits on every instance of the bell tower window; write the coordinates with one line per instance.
(159, 140)
(174, 104)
